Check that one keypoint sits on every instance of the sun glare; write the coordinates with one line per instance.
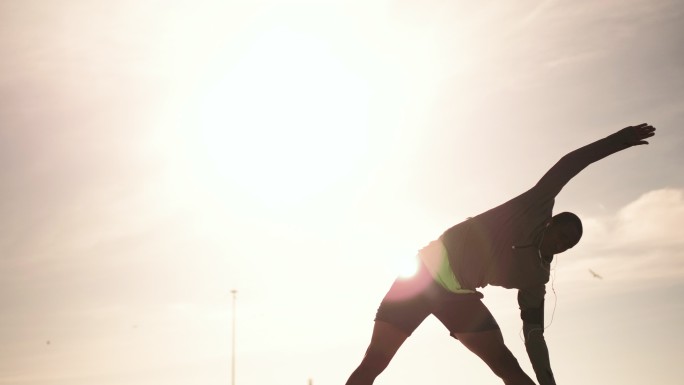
(407, 265)
(286, 121)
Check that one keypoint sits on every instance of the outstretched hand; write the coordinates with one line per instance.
(636, 135)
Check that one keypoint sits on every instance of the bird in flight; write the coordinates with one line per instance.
(595, 274)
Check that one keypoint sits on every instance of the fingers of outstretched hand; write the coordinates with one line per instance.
(637, 134)
(644, 129)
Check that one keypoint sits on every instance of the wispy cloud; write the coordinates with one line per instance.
(641, 245)
(539, 9)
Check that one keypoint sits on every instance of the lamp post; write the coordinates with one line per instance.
(232, 362)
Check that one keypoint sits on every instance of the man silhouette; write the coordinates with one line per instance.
(511, 245)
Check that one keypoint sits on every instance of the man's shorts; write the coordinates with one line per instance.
(409, 301)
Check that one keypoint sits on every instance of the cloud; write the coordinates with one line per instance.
(653, 220)
(539, 9)
(640, 245)
(656, 218)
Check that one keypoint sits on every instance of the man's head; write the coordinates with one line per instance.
(563, 232)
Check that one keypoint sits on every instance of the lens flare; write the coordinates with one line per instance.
(407, 267)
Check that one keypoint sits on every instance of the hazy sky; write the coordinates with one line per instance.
(157, 154)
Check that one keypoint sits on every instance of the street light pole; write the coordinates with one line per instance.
(232, 363)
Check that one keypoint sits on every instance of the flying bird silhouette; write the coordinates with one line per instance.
(595, 274)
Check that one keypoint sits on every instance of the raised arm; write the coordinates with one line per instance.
(571, 164)
(531, 303)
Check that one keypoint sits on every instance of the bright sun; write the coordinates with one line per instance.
(407, 266)
(285, 121)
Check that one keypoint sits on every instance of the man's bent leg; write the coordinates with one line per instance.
(489, 346)
(385, 342)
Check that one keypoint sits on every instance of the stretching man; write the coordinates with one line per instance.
(512, 246)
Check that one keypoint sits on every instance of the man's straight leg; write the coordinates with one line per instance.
(489, 346)
(469, 320)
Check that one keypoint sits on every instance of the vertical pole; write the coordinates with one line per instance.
(232, 362)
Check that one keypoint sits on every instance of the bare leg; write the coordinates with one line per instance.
(490, 347)
(385, 342)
